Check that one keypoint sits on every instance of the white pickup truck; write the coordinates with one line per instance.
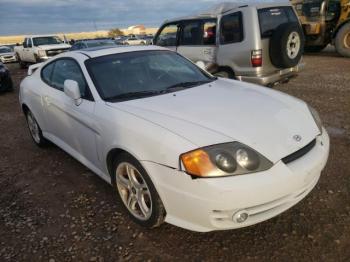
(36, 49)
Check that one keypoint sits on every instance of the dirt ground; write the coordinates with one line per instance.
(54, 209)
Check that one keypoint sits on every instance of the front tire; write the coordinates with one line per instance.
(136, 191)
(22, 65)
(225, 73)
(342, 40)
(35, 130)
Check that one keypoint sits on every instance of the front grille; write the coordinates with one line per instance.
(55, 52)
(300, 153)
(7, 57)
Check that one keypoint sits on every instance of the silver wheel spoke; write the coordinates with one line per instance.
(123, 181)
(134, 191)
(143, 207)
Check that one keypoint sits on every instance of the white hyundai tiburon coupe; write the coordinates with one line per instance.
(176, 143)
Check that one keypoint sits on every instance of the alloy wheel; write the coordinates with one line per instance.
(134, 191)
(33, 127)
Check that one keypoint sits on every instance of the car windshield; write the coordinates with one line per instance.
(47, 40)
(133, 75)
(5, 49)
(100, 43)
(312, 9)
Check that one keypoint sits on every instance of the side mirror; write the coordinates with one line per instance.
(71, 89)
(201, 65)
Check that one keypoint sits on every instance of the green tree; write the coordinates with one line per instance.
(115, 32)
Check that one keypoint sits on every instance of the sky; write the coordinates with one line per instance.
(19, 17)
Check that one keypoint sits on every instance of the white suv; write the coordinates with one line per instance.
(259, 42)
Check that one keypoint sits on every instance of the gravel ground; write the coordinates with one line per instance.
(54, 209)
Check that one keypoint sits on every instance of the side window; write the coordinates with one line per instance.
(192, 33)
(167, 36)
(46, 73)
(209, 36)
(231, 30)
(29, 42)
(68, 69)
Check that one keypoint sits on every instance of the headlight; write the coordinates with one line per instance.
(317, 118)
(230, 159)
(41, 53)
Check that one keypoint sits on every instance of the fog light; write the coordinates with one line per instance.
(240, 216)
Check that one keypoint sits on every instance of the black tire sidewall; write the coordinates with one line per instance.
(339, 40)
(278, 45)
(158, 211)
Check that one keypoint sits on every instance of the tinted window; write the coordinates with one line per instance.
(68, 69)
(231, 28)
(5, 49)
(46, 73)
(140, 74)
(271, 18)
(50, 40)
(191, 34)
(167, 36)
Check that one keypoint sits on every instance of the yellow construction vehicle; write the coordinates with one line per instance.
(325, 22)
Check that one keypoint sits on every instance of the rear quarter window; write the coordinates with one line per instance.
(273, 17)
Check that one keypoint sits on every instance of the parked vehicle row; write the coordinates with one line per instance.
(177, 144)
(260, 42)
(92, 43)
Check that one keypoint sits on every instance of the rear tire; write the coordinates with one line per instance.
(22, 65)
(136, 192)
(342, 40)
(225, 73)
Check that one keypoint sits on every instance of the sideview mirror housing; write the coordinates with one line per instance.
(71, 89)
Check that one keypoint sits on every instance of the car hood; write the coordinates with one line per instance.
(226, 111)
(53, 47)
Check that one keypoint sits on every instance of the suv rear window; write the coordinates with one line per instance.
(271, 18)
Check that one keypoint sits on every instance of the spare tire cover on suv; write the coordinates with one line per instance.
(286, 45)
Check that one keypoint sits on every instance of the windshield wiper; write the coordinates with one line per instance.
(137, 94)
(183, 85)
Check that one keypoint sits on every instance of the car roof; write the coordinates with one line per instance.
(94, 40)
(31, 36)
(110, 50)
(225, 7)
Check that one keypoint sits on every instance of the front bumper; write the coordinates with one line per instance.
(8, 59)
(274, 78)
(211, 204)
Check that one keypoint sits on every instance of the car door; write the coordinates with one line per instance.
(24, 55)
(168, 36)
(233, 50)
(29, 51)
(70, 126)
(198, 40)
